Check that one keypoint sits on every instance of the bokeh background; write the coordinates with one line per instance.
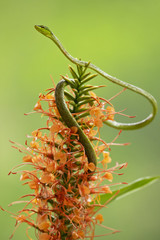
(120, 36)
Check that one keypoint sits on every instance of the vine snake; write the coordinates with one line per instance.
(67, 116)
(126, 126)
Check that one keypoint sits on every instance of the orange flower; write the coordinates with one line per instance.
(84, 190)
(99, 217)
(98, 122)
(60, 156)
(106, 159)
(37, 106)
(33, 185)
(43, 236)
(24, 176)
(47, 177)
(108, 176)
(34, 145)
(89, 166)
(110, 113)
(96, 112)
(27, 158)
(106, 189)
(52, 166)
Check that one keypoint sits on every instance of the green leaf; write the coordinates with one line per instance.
(86, 67)
(130, 188)
(86, 75)
(74, 75)
(84, 87)
(80, 70)
(72, 103)
(81, 110)
(90, 89)
(82, 116)
(69, 81)
(88, 78)
(83, 98)
(68, 95)
(85, 101)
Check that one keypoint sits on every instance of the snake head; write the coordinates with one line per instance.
(44, 30)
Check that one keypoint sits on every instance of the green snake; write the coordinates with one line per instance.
(67, 116)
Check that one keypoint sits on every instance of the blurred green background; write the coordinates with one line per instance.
(120, 36)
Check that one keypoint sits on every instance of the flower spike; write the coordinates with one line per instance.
(126, 126)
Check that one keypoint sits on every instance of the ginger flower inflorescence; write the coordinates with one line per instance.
(65, 187)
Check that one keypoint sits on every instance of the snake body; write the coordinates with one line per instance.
(70, 122)
(126, 126)
(67, 116)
